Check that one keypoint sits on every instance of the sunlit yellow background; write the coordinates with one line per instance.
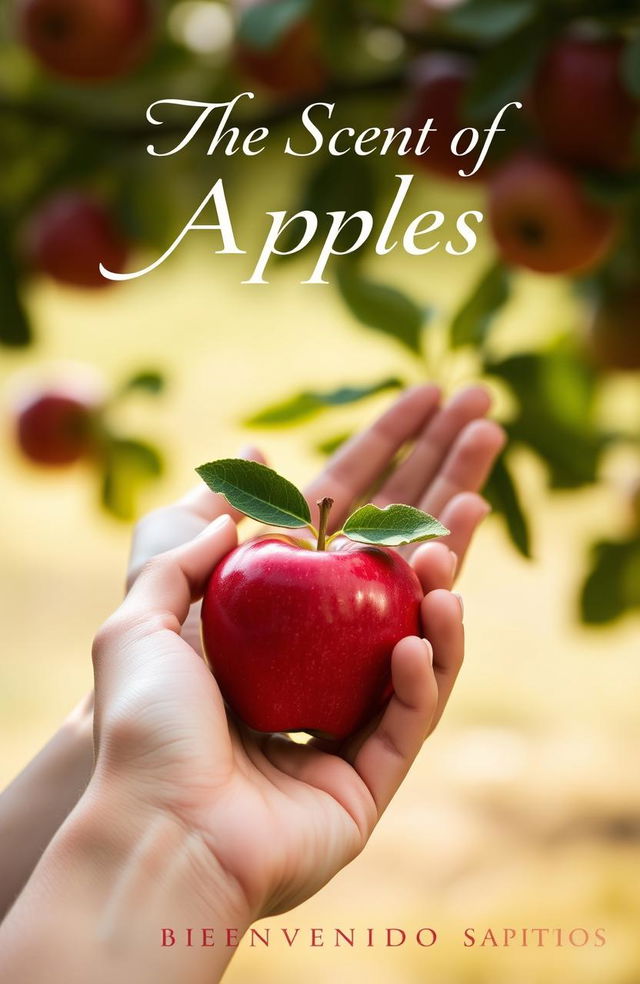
(523, 810)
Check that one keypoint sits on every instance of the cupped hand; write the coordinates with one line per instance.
(418, 452)
(275, 819)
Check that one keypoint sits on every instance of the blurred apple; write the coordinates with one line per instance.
(54, 423)
(542, 219)
(68, 237)
(90, 40)
(584, 113)
(437, 83)
(294, 66)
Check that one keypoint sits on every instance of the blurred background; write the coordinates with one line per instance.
(524, 809)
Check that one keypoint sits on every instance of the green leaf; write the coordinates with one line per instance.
(149, 380)
(331, 444)
(612, 585)
(630, 66)
(311, 402)
(504, 73)
(473, 320)
(264, 24)
(128, 466)
(502, 494)
(382, 308)
(392, 526)
(555, 394)
(257, 491)
(490, 20)
(15, 329)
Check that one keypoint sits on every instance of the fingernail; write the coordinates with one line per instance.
(487, 508)
(454, 563)
(216, 526)
(460, 601)
(429, 650)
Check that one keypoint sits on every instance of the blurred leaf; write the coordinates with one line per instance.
(337, 184)
(555, 393)
(630, 66)
(149, 380)
(264, 24)
(385, 309)
(392, 526)
(612, 189)
(504, 72)
(307, 404)
(612, 585)
(257, 491)
(15, 328)
(331, 444)
(128, 466)
(490, 20)
(473, 320)
(502, 494)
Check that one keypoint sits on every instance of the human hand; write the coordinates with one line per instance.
(275, 820)
(448, 453)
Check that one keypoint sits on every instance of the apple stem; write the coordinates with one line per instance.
(325, 508)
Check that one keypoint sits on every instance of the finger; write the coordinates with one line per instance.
(414, 475)
(356, 465)
(463, 515)
(467, 464)
(168, 527)
(158, 604)
(442, 624)
(386, 755)
(435, 564)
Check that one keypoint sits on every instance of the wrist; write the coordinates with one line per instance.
(130, 880)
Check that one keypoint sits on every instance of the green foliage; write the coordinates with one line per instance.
(392, 526)
(474, 318)
(502, 494)
(257, 491)
(383, 308)
(129, 465)
(554, 393)
(311, 402)
(263, 25)
(15, 329)
(631, 66)
(612, 586)
(491, 20)
(147, 380)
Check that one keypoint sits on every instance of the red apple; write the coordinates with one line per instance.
(54, 426)
(584, 113)
(437, 84)
(89, 40)
(70, 235)
(614, 332)
(542, 219)
(300, 639)
(294, 66)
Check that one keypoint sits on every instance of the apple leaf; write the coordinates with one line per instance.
(257, 491)
(128, 466)
(383, 308)
(311, 402)
(149, 380)
(473, 320)
(392, 526)
(264, 24)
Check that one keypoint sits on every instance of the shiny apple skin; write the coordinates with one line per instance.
(301, 640)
